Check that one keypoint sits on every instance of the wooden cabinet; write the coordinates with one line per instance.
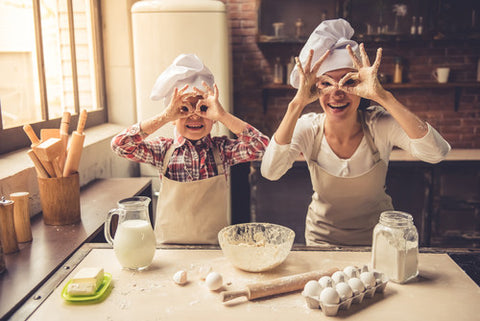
(444, 199)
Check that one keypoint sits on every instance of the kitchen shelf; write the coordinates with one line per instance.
(457, 86)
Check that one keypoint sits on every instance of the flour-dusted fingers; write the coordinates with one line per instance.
(364, 56)
(349, 82)
(378, 59)
(308, 63)
(356, 62)
(208, 88)
(299, 66)
(319, 62)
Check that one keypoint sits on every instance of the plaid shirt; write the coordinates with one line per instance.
(190, 161)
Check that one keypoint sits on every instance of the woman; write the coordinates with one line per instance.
(194, 166)
(347, 147)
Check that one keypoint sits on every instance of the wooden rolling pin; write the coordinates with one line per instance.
(277, 286)
(47, 166)
(76, 146)
(64, 125)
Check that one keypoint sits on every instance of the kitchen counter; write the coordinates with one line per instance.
(37, 261)
(442, 291)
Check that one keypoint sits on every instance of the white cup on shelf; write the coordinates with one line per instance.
(441, 74)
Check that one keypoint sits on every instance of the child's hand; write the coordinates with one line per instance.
(209, 107)
(177, 107)
(364, 82)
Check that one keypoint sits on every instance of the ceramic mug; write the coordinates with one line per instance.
(441, 74)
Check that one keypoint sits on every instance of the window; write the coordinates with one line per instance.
(50, 62)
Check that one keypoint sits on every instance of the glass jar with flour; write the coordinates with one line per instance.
(395, 246)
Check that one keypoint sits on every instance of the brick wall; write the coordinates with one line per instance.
(252, 70)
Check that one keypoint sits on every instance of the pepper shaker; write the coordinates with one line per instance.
(21, 216)
(7, 228)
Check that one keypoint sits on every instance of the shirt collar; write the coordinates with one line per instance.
(206, 142)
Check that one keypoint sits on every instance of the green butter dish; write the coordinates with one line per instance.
(102, 292)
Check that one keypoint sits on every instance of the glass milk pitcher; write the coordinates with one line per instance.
(134, 241)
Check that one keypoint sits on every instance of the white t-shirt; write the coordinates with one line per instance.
(386, 133)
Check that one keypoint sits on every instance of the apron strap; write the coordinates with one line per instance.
(368, 137)
(218, 161)
(171, 149)
(317, 142)
(167, 157)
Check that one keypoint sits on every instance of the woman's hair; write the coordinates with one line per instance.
(364, 103)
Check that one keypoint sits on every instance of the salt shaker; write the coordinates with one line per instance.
(395, 246)
(21, 217)
(7, 229)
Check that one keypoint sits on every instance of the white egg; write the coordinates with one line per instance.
(344, 291)
(368, 279)
(329, 296)
(214, 281)
(351, 271)
(180, 277)
(339, 276)
(356, 285)
(378, 277)
(325, 282)
(312, 288)
(203, 271)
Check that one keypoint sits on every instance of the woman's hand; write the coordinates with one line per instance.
(209, 106)
(364, 82)
(307, 89)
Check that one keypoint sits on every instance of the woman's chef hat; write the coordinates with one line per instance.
(330, 34)
(185, 69)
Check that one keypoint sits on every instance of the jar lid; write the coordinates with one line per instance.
(396, 218)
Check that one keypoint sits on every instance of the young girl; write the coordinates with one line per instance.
(347, 147)
(194, 166)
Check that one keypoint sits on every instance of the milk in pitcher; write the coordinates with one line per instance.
(134, 244)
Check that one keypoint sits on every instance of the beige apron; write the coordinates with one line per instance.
(192, 212)
(344, 210)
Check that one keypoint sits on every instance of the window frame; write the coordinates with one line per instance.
(15, 138)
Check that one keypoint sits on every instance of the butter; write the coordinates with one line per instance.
(86, 281)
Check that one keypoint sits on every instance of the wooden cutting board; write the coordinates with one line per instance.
(441, 292)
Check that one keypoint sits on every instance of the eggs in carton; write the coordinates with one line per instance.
(343, 288)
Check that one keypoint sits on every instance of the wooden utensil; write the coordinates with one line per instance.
(46, 165)
(48, 151)
(41, 172)
(277, 286)
(76, 146)
(46, 133)
(64, 125)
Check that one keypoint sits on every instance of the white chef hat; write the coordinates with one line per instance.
(185, 69)
(332, 34)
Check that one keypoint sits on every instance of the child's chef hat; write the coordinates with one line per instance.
(330, 34)
(185, 69)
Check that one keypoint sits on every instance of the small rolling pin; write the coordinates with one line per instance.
(277, 286)
(76, 145)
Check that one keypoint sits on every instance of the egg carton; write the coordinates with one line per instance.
(313, 302)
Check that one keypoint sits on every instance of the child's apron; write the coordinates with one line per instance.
(344, 210)
(192, 212)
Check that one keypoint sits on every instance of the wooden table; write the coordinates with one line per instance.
(442, 291)
(38, 261)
